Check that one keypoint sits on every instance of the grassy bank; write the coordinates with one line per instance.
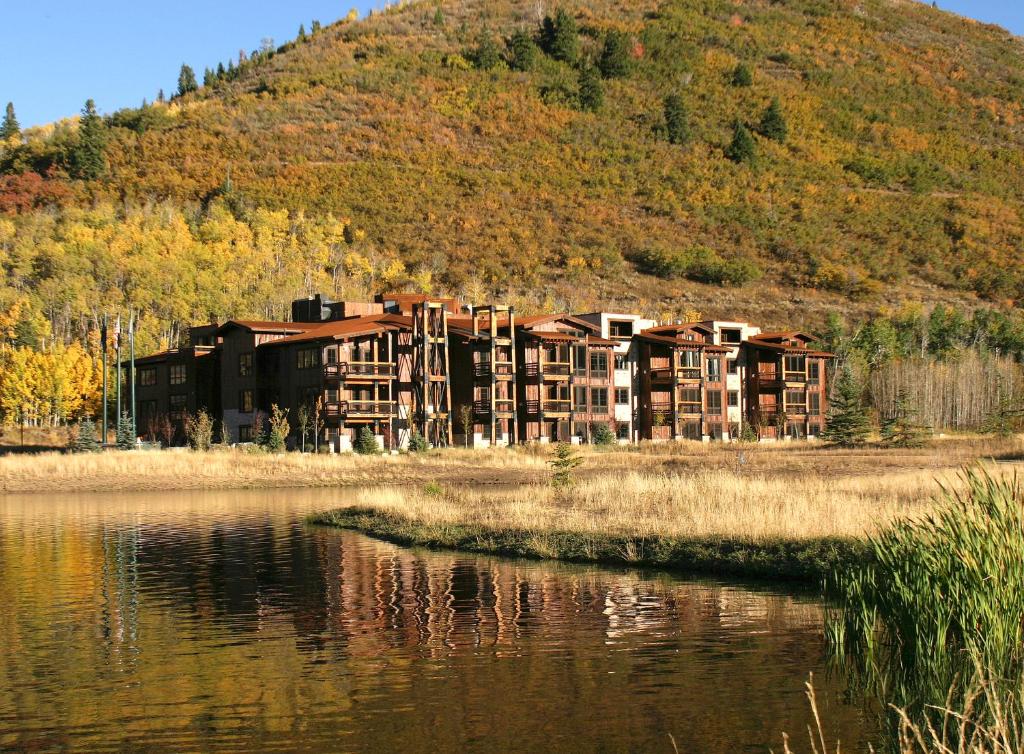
(713, 521)
(48, 472)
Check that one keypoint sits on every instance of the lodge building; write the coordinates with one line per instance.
(406, 365)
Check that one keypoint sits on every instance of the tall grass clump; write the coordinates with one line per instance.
(941, 596)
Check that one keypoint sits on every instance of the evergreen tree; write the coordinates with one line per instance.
(615, 61)
(208, 78)
(366, 443)
(486, 55)
(89, 155)
(160, 96)
(601, 434)
(9, 128)
(85, 440)
(847, 422)
(742, 75)
(302, 33)
(125, 435)
(186, 81)
(677, 122)
(221, 71)
(417, 443)
(560, 37)
(438, 16)
(522, 51)
(564, 464)
(900, 428)
(315, 28)
(773, 124)
(742, 147)
(591, 95)
(1005, 418)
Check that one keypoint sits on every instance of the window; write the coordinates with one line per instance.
(795, 431)
(622, 396)
(308, 358)
(245, 365)
(245, 402)
(815, 404)
(732, 336)
(333, 395)
(579, 360)
(715, 402)
(147, 376)
(245, 433)
(691, 359)
(179, 374)
(734, 398)
(796, 401)
(692, 431)
(732, 366)
(599, 364)
(599, 398)
(622, 330)
(716, 431)
(332, 355)
(621, 362)
(622, 430)
(147, 410)
(795, 364)
(813, 371)
(690, 400)
(579, 396)
(714, 369)
(179, 405)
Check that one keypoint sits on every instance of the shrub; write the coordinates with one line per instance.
(276, 434)
(601, 434)
(85, 440)
(677, 125)
(698, 263)
(417, 443)
(199, 431)
(433, 489)
(591, 95)
(486, 55)
(522, 52)
(742, 75)
(564, 464)
(366, 443)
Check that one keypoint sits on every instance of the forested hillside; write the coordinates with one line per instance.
(761, 159)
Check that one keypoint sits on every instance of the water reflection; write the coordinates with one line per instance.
(221, 621)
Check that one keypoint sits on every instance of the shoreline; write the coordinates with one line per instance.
(806, 562)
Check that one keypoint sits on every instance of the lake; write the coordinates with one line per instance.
(222, 621)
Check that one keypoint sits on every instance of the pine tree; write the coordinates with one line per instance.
(591, 95)
(315, 28)
(160, 96)
(522, 52)
(9, 128)
(208, 78)
(89, 155)
(602, 434)
(564, 464)
(85, 438)
(302, 33)
(560, 37)
(614, 61)
(186, 80)
(125, 435)
(742, 147)
(221, 71)
(366, 443)
(438, 16)
(773, 124)
(677, 122)
(742, 75)
(486, 55)
(900, 428)
(847, 422)
(417, 443)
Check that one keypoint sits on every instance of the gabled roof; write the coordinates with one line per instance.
(685, 327)
(667, 340)
(264, 326)
(777, 342)
(527, 323)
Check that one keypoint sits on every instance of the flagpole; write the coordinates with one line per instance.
(117, 382)
(103, 341)
(131, 372)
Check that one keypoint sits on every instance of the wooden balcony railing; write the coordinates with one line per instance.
(501, 406)
(551, 369)
(371, 369)
(795, 376)
(501, 368)
(551, 406)
(369, 409)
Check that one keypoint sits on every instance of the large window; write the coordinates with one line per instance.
(179, 405)
(732, 366)
(599, 399)
(599, 364)
(147, 376)
(621, 362)
(308, 358)
(690, 401)
(622, 330)
(795, 365)
(731, 337)
(579, 358)
(245, 433)
(714, 369)
(245, 402)
(579, 397)
(690, 359)
(179, 374)
(245, 365)
(814, 408)
(715, 402)
(796, 401)
(813, 371)
(622, 396)
(734, 398)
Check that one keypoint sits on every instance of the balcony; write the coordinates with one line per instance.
(553, 370)
(502, 406)
(360, 409)
(550, 406)
(798, 377)
(502, 369)
(360, 370)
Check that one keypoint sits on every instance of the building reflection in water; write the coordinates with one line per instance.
(224, 621)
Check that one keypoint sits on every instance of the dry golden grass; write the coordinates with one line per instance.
(704, 504)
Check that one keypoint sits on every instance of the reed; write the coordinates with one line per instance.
(941, 595)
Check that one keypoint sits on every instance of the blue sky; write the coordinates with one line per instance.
(56, 54)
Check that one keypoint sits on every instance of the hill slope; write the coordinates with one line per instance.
(901, 174)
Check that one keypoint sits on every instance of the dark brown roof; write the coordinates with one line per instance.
(676, 329)
(758, 342)
(344, 329)
(264, 326)
(682, 343)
